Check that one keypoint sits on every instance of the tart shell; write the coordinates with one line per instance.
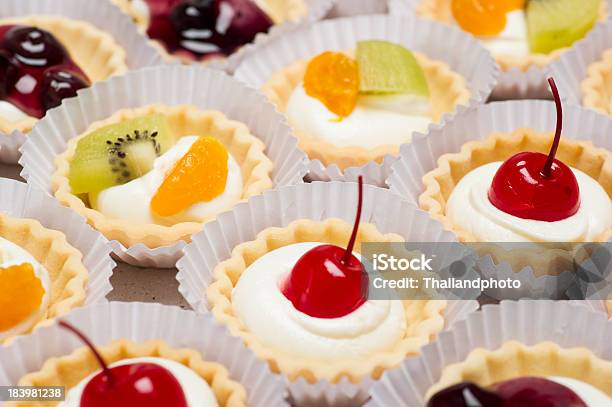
(184, 120)
(69, 370)
(597, 86)
(49, 247)
(93, 50)
(447, 88)
(424, 317)
(514, 359)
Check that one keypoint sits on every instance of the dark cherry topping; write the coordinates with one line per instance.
(200, 29)
(329, 281)
(36, 71)
(536, 186)
(519, 392)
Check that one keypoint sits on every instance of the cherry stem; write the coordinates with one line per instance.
(553, 150)
(90, 345)
(349, 249)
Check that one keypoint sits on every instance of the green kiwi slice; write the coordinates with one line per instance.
(388, 68)
(554, 24)
(118, 153)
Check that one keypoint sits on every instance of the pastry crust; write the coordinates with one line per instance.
(597, 86)
(81, 39)
(184, 120)
(425, 318)
(447, 89)
(69, 370)
(440, 182)
(514, 359)
(440, 10)
(63, 262)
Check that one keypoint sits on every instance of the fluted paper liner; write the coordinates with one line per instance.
(521, 77)
(347, 8)
(582, 74)
(476, 124)
(530, 323)
(140, 323)
(449, 45)
(76, 257)
(110, 24)
(169, 85)
(317, 201)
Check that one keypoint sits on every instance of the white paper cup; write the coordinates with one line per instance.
(101, 14)
(528, 322)
(477, 123)
(19, 200)
(140, 322)
(169, 85)
(347, 8)
(440, 42)
(316, 201)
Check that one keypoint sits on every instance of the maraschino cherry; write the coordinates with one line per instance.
(519, 392)
(136, 384)
(329, 281)
(534, 186)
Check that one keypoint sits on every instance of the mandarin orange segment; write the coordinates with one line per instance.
(332, 78)
(200, 176)
(21, 293)
(481, 17)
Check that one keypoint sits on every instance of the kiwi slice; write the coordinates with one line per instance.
(388, 68)
(554, 24)
(117, 153)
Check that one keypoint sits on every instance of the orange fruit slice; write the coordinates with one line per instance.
(21, 294)
(333, 79)
(200, 176)
(483, 17)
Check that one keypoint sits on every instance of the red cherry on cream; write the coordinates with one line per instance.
(328, 281)
(534, 186)
(136, 384)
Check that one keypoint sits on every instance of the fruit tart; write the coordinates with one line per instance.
(153, 175)
(126, 373)
(352, 107)
(44, 60)
(41, 276)
(200, 30)
(519, 375)
(520, 33)
(298, 297)
(597, 86)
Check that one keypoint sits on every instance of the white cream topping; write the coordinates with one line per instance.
(469, 208)
(512, 41)
(132, 200)
(592, 396)
(11, 113)
(197, 391)
(376, 120)
(267, 313)
(13, 255)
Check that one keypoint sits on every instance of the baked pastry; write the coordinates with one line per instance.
(111, 374)
(597, 86)
(529, 197)
(41, 276)
(44, 60)
(520, 33)
(198, 30)
(350, 108)
(520, 375)
(153, 175)
(300, 302)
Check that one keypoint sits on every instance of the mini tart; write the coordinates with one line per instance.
(440, 10)
(513, 359)
(63, 262)
(248, 150)
(597, 86)
(425, 318)
(69, 370)
(447, 89)
(93, 50)
(280, 11)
